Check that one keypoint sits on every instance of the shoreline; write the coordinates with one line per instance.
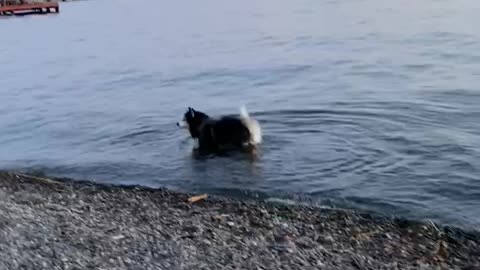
(56, 223)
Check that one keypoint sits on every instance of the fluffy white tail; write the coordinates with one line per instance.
(252, 125)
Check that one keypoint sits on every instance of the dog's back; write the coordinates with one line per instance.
(224, 132)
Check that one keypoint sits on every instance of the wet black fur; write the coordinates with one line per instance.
(216, 134)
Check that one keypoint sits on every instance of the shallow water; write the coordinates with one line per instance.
(364, 104)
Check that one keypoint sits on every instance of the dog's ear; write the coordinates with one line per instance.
(191, 111)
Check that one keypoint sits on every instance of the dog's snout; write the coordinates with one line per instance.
(182, 124)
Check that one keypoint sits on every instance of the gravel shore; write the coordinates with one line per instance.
(63, 224)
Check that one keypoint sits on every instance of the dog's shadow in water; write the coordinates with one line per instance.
(250, 153)
(248, 158)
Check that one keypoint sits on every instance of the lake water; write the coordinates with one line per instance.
(364, 104)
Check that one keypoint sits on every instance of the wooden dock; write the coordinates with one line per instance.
(34, 8)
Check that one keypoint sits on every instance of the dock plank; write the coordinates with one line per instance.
(30, 7)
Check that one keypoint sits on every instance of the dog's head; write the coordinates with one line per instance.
(193, 120)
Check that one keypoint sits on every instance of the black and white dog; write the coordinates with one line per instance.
(223, 133)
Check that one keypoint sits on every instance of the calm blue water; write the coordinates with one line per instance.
(366, 104)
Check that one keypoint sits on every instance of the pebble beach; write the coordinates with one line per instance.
(65, 224)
